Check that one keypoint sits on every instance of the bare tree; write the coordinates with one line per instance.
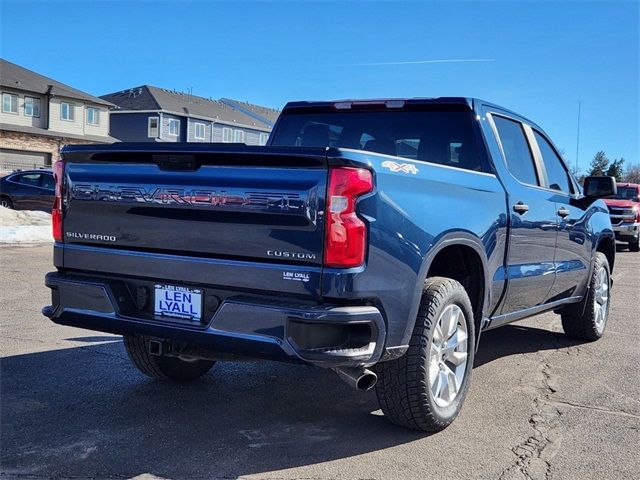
(632, 175)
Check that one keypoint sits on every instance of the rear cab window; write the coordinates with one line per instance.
(438, 137)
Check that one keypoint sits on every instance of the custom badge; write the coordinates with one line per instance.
(400, 167)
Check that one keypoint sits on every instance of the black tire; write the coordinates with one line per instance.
(162, 367)
(581, 321)
(635, 245)
(6, 202)
(403, 388)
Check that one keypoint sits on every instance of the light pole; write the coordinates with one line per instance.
(578, 136)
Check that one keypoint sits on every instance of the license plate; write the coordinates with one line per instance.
(178, 302)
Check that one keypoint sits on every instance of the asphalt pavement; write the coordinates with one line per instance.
(540, 406)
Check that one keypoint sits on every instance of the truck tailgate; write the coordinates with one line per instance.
(233, 202)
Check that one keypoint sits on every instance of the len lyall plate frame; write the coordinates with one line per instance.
(174, 301)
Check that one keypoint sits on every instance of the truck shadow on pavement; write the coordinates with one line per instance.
(86, 412)
(515, 339)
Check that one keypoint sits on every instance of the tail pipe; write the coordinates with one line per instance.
(362, 379)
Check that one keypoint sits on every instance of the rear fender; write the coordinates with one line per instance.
(449, 239)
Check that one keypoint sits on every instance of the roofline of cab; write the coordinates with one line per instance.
(471, 103)
(479, 102)
(461, 101)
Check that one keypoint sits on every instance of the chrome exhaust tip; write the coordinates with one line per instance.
(361, 379)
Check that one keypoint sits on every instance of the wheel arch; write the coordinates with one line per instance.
(474, 276)
(6, 196)
(606, 244)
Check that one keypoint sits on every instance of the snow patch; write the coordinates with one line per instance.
(24, 226)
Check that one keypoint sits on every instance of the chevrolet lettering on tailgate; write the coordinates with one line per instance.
(161, 195)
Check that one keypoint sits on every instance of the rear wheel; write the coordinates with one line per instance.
(167, 368)
(425, 388)
(588, 319)
(6, 202)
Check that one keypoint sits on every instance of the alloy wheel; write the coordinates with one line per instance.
(601, 299)
(448, 355)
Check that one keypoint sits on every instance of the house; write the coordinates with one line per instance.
(152, 114)
(38, 115)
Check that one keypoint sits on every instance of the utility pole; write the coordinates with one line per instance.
(578, 136)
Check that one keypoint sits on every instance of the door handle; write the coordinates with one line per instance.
(564, 212)
(521, 208)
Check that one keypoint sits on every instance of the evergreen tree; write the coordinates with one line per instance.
(615, 169)
(599, 164)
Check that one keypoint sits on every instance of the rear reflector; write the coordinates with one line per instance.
(345, 233)
(56, 213)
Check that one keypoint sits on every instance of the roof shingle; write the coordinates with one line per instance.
(147, 97)
(19, 78)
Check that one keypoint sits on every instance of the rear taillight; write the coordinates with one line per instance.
(56, 213)
(345, 233)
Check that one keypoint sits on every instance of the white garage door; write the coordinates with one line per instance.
(14, 159)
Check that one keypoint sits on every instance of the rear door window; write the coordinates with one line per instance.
(516, 150)
(556, 171)
(47, 182)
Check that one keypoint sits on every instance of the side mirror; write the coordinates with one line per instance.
(600, 187)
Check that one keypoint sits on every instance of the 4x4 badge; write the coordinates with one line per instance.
(400, 167)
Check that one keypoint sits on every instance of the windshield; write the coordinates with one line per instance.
(445, 138)
(627, 193)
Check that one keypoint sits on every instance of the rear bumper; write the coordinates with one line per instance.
(627, 232)
(323, 335)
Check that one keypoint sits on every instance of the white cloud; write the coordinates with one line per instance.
(420, 62)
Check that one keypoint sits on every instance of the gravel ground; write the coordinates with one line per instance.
(540, 406)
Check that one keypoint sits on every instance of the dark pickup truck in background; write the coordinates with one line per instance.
(376, 238)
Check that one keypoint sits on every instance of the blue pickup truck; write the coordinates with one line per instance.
(375, 238)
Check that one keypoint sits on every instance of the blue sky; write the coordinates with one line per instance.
(537, 58)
